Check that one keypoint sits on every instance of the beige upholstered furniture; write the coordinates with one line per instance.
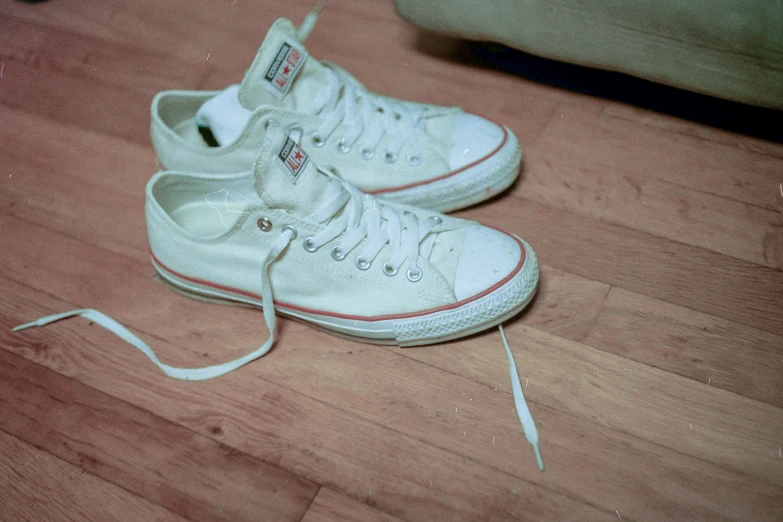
(732, 49)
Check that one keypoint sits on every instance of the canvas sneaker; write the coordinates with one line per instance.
(345, 261)
(433, 157)
(294, 238)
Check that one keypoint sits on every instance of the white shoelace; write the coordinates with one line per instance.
(528, 424)
(210, 372)
(369, 117)
(362, 216)
(189, 374)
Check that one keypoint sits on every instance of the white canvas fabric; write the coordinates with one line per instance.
(429, 156)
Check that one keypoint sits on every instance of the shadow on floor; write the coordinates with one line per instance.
(732, 116)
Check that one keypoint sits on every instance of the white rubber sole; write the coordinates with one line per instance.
(432, 327)
(468, 187)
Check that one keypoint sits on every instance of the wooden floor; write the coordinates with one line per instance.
(652, 356)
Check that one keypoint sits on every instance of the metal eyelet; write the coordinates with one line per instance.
(317, 140)
(309, 245)
(413, 160)
(294, 233)
(435, 220)
(343, 147)
(367, 153)
(264, 224)
(414, 275)
(389, 270)
(338, 254)
(362, 263)
(390, 157)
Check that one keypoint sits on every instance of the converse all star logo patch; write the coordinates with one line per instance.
(284, 68)
(294, 159)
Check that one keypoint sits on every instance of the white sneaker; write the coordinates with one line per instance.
(293, 238)
(433, 157)
(339, 259)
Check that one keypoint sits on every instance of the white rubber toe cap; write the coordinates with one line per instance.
(473, 138)
(488, 256)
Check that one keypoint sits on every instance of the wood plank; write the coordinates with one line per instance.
(34, 485)
(425, 433)
(629, 397)
(330, 506)
(661, 208)
(287, 427)
(344, 376)
(627, 147)
(188, 473)
(53, 49)
(688, 276)
(171, 26)
(584, 460)
(679, 126)
(565, 305)
(84, 101)
(41, 150)
(82, 183)
(721, 353)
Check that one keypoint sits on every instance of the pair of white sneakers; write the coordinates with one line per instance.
(302, 192)
(341, 202)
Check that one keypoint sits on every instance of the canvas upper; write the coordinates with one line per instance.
(355, 263)
(440, 158)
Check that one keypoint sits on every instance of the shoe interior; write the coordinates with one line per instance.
(178, 113)
(206, 207)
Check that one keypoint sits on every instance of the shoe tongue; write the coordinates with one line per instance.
(282, 73)
(285, 178)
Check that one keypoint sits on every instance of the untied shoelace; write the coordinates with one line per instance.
(363, 216)
(210, 372)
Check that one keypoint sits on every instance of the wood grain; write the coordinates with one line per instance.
(668, 210)
(329, 506)
(676, 127)
(72, 54)
(735, 168)
(680, 274)
(34, 485)
(343, 378)
(187, 473)
(651, 356)
(288, 429)
(723, 354)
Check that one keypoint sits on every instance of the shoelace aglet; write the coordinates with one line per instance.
(539, 460)
(25, 325)
(525, 417)
(43, 321)
(308, 24)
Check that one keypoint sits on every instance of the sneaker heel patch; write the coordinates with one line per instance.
(286, 64)
(294, 159)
